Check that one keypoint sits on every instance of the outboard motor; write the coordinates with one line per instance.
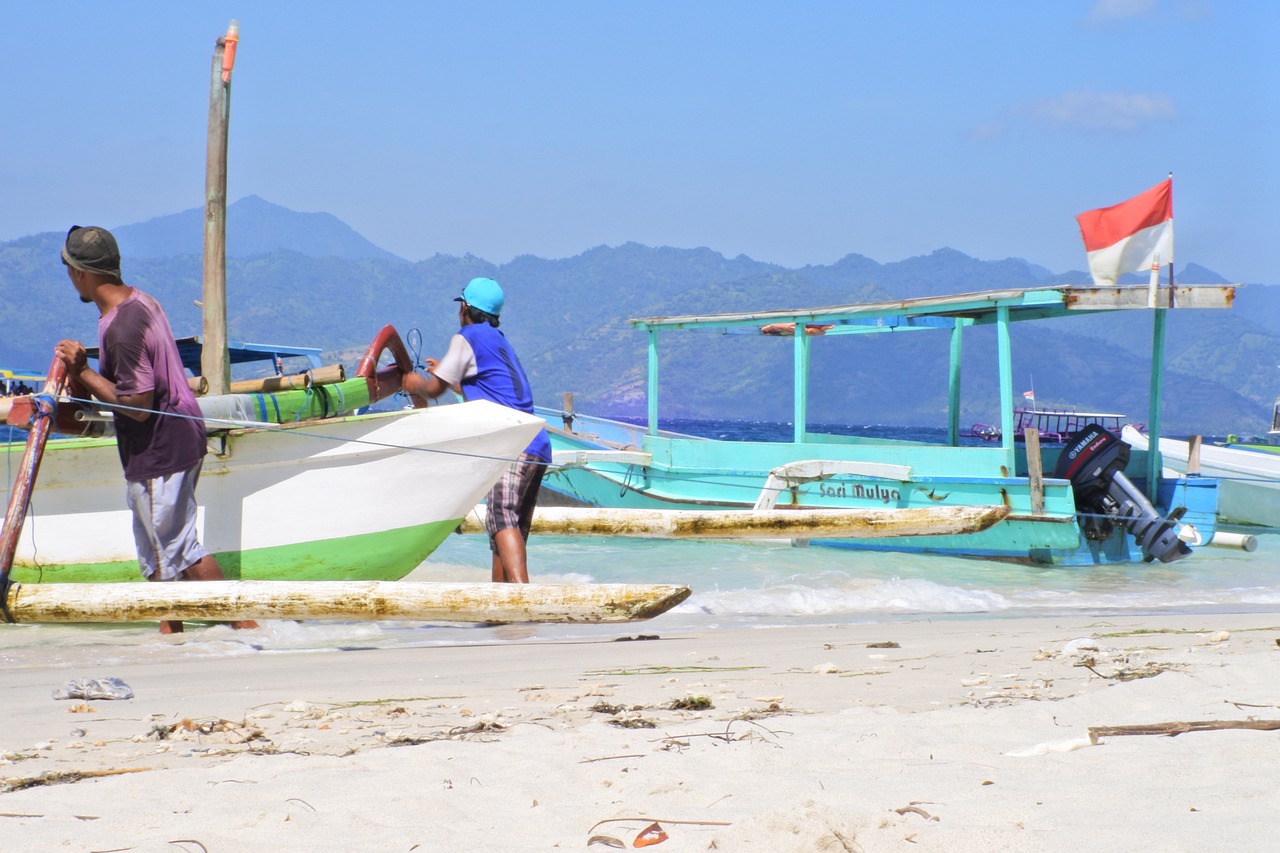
(1094, 460)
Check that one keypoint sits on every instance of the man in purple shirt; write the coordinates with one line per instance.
(159, 430)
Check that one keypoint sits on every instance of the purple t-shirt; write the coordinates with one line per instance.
(138, 353)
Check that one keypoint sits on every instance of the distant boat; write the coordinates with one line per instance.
(1072, 517)
(1054, 425)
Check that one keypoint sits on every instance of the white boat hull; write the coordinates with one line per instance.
(364, 497)
(1249, 492)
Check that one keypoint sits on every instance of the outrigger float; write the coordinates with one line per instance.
(1072, 504)
(310, 508)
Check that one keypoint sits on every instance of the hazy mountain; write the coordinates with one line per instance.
(254, 227)
(568, 318)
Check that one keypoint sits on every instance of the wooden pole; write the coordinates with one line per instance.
(25, 481)
(1035, 470)
(770, 524)
(371, 600)
(1193, 455)
(215, 363)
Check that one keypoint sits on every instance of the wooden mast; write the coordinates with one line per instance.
(215, 363)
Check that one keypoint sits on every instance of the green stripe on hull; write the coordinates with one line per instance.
(384, 556)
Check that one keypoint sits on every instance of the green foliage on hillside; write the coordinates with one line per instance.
(567, 318)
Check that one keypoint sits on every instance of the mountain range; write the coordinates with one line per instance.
(308, 279)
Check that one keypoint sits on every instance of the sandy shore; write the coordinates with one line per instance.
(947, 736)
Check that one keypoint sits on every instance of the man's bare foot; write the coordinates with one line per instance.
(244, 624)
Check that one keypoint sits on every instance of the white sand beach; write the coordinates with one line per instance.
(926, 735)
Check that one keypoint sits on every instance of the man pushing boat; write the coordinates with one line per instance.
(483, 364)
(160, 431)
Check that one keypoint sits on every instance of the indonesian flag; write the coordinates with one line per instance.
(1129, 236)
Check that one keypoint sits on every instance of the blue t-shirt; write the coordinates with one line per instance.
(499, 378)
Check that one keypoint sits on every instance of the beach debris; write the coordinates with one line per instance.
(94, 688)
(773, 709)
(825, 669)
(1122, 673)
(62, 778)
(648, 831)
(1173, 729)
(915, 809)
(637, 637)
(888, 644)
(1052, 746)
(691, 703)
(632, 723)
(650, 835)
(1086, 644)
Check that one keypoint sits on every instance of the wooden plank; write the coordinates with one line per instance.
(225, 601)
(1135, 297)
(1035, 470)
(1193, 455)
(868, 523)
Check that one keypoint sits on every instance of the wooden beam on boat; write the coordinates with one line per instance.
(862, 523)
(329, 375)
(225, 601)
(1182, 296)
(583, 458)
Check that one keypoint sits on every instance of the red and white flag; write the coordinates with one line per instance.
(1129, 236)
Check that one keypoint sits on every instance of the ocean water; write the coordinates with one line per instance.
(735, 584)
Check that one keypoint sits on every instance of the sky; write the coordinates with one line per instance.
(793, 133)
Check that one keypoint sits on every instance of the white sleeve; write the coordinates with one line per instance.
(458, 363)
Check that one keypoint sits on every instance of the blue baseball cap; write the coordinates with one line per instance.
(483, 294)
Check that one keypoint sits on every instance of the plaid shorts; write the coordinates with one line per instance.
(511, 501)
(164, 523)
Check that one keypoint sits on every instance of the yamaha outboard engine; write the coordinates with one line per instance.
(1094, 461)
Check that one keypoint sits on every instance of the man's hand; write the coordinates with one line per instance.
(73, 356)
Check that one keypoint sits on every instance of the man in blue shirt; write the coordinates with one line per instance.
(482, 364)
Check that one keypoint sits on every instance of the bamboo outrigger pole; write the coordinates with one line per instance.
(40, 417)
(215, 363)
(370, 600)
(862, 523)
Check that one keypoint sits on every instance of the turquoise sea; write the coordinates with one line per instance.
(761, 584)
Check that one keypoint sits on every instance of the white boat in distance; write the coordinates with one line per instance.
(1249, 487)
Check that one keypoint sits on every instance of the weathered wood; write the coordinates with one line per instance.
(371, 600)
(20, 495)
(329, 375)
(215, 364)
(1178, 728)
(1035, 470)
(1193, 455)
(742, 524)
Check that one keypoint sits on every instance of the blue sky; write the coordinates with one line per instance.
(794, 133)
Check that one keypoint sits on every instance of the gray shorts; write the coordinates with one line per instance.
(511, 501)
(164, 523)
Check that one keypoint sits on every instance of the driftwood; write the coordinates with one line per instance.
(1177, 728)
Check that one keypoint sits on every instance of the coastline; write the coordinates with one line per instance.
(965, 735)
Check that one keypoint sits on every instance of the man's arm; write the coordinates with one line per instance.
(446, 373)
(423, 387)
(73, 356)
